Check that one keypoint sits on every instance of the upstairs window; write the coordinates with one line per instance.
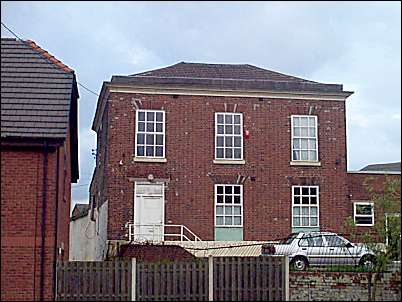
(150, 133)
(228, 136)
(304, 138)
(364, 213)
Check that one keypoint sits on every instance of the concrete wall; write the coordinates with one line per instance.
(88, 238)
(326, 286)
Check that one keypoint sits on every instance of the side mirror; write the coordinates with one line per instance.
(349, 245)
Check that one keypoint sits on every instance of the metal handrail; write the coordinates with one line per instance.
(133, 236)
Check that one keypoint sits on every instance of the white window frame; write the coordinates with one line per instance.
(309, 205)
(232, 204)
(145, 132)
(303, 137)
(363, 203)
(229, 135)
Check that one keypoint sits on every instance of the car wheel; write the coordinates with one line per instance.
(299, 263)
(367, 262)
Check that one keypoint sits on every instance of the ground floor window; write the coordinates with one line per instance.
(228, 205)
(305, 203)
(363, 213)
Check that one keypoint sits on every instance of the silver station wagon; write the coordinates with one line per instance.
(320, 249)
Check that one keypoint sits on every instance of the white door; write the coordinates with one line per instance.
(149, 212)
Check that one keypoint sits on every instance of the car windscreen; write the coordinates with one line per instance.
(288, 240)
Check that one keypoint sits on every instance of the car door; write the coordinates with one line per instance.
(338, 252)
(312, 245)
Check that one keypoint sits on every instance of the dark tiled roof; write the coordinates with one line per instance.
(223, 76)
(389, 167)
(80, 210)
(36, 91)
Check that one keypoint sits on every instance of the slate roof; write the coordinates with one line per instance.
(36, 91)
(388, 167)
(224, 76)
(80, 210)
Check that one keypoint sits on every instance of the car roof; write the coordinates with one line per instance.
(318, 233)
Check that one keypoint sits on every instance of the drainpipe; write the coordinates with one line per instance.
(43, 229)
(56, 225)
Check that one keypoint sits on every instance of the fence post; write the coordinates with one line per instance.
(286, 277)
(133, 278)
(210, 278)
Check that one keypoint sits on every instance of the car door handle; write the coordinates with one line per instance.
(304, 249)
(331, 249)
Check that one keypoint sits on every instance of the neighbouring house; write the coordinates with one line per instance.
(39, 161)
(210, 155)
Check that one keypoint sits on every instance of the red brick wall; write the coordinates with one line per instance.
(190, 152)
(21, 217)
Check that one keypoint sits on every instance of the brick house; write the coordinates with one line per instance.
(39, 161)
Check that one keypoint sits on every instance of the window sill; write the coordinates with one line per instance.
(150, 160)
(306, 163)
(229, 162)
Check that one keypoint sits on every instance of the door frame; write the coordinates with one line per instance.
(163, 202)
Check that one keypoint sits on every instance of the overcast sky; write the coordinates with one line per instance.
(357, 44)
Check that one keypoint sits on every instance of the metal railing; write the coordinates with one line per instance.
(159, 233)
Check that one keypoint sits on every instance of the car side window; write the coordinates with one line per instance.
(334, 241)
(311, 241)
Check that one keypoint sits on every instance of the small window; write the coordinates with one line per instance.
(305, 203)
(335, 241)
(364, 213)
(229, 136)
(228, 205)
(304, 138)
(311, 241)
(150, 134)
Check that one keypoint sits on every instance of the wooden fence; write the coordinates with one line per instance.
(218, 279)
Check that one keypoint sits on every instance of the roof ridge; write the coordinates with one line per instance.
(48, 56)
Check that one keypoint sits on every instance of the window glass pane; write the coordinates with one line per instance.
(364, 209)
(311, 132)
(236, 199)
(312, 155)
(296, 211)
(228, 119)
(140, 139)
(228, 189)
(150, 139)
(296, 132)
(237, 119)
(219, 153)
(228, 210)
(237, 153)
(303, 121)
(219, 210)
(159, 139)
(305, 211)
(296, 155)
(236, 129)
(219, 199)
(150, 127)
(159, 127)
(228, 141)
(296, 191)
(312, 121)
(237, 210)
(140, 150)
(305, 200)
(313, 191)
(313, 221)
(304, 155)
(304, 143)
(296, 143)
(220, 129)
(237, 220)
(363, 220)
(313, 211)
(141, 116)
(228, 220)
(236, 189)
(237, 141)
(150, 116)
(334, 241)
(150, 151)
(141, 126)
(296, 221)
(305, 191)
(219, 220)
(305, 221)
(304, 132)
(311, 143)
(220, 119)
(313, 200)
(159, 116)
(228, 153)
(296, 121)
(228, 199)
(159, 151)
(296, 200)
(219, 141)
(219, 189)
(228, 129)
